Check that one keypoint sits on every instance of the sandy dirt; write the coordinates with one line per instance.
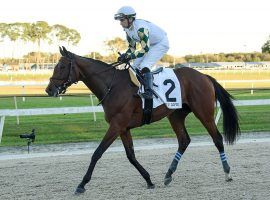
(199, 175)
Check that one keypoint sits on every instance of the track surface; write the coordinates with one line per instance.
(199, 175)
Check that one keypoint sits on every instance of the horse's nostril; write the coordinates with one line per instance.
(48, 91)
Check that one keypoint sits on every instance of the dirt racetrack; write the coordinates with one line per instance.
(199, 175)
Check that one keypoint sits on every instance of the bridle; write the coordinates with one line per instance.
(74, 78)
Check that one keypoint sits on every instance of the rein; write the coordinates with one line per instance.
(108, 89)
(70, 80)
(113, 65)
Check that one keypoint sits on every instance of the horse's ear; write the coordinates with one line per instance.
(66, 52)
(61, 51)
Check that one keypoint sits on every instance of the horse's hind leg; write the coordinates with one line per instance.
(177, 119)
(204, 110)
(206, 116)
(128, 144)
(218, 141)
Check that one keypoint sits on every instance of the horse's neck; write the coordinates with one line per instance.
(95, 76)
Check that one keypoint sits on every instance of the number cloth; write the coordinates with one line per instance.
(167, 86)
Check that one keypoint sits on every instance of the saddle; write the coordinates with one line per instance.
(137, 79)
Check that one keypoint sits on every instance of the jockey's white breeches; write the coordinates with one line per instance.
(155, 53)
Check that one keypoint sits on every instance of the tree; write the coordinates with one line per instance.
(13, 32)
(95, 55)
(3, 30)
(74, 37)
(40, 30)
(167, 58)
(189, 58)
(59, 32)
(116, 45)
(266, 57)
(266, 46)
(255, 57)
(36, 32)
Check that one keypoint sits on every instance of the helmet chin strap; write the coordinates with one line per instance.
(129, 23)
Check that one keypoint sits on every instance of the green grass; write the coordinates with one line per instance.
(239, 74)
(46, 102)
(81, 127)
(236, 74)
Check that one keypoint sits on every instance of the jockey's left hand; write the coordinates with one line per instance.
(124, 58)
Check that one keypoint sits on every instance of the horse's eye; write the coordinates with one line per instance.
(62, 66)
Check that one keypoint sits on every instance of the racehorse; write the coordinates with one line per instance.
(123, 108)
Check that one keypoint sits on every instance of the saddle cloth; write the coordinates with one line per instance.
(166, 86)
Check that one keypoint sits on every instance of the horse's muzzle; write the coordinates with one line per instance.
(52, 91)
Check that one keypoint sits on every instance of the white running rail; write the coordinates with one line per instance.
(91, 109)
(45, 111)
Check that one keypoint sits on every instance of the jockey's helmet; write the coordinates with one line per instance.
(125, 12)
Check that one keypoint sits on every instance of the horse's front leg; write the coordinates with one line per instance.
(128, 144)
(112, 133)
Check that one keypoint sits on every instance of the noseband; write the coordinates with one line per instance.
(69, 80)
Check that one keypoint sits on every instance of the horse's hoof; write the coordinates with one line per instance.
(167, 180)
(228, 178)
(79, 191)
(152, 186)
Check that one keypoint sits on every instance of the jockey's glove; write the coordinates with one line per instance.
(124, 58)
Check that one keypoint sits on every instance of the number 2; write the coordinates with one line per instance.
(169, 99)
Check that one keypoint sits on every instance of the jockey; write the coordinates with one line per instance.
(152, 39)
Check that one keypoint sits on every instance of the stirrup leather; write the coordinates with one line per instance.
(148, 87)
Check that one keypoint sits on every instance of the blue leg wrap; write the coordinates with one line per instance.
(175, 161)
(223, 157)
(225, 164)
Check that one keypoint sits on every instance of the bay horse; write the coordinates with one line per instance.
(123, 109)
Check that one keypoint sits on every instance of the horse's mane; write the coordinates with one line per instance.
(98, 61)
(65, 53)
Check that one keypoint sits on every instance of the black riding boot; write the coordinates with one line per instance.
(148, 80)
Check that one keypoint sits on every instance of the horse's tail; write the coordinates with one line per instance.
(231, 127)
